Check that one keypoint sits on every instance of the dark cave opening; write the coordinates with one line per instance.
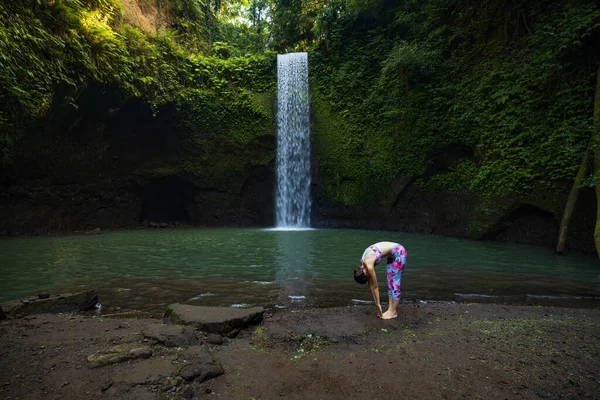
(525, 223)
(168, 199)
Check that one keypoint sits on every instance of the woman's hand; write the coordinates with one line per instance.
(379, 311)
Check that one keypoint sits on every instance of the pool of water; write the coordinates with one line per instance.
(148, 269)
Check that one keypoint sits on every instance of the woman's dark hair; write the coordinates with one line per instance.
(359, 275)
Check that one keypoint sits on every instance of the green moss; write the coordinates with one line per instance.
(260, 341)
(309, 345)
(456, 180)
(349, 159)
(406, 339)
(523, 106)
(538, 334)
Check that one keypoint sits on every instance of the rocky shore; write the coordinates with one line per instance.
(432, 351)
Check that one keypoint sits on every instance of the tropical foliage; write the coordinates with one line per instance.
(51, 52)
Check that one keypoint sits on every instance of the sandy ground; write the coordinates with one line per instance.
(432, 351)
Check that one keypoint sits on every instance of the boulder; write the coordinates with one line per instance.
(67, 302)
(200, 365)
(2, 314)
(119, 353)
(171, 335)
(222, 320)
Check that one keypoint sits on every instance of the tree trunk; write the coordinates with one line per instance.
(572, 200)
(595, 136)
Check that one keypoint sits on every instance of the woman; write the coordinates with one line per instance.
(396, 260)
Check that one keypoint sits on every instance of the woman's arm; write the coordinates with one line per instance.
(374, 287)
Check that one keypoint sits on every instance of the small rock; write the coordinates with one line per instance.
(213, 338)
(140, 352)
(187, 391)
(44, 295)
(119, 353)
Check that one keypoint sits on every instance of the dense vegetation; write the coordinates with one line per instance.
(513, 83)
(504, 89)
(507, 87)
(53, 51)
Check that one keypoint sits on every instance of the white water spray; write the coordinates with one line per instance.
(293, 202)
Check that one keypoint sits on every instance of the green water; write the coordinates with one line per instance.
(148, 269)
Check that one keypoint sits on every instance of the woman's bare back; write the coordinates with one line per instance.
(385, 247)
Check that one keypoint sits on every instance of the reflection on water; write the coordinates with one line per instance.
(295, 270)
(149, 269)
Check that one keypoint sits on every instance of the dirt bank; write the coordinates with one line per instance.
(432, 351)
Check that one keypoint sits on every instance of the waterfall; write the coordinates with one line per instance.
(293, 142)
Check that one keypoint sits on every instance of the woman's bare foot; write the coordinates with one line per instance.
(389, 315)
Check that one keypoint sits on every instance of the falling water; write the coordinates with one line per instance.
(293, 142)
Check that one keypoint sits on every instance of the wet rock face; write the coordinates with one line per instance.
(168, 199)
(404, 208)
(257, 197)
(221, 320)
(525, 223)
(123, 164)
(66, 302)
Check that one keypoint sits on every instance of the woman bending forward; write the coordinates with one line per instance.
(396, 260)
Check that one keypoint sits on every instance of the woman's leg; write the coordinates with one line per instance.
(392, 311)
(395, 267)
(394, 278)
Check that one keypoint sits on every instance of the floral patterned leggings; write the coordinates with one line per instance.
(395, 266)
